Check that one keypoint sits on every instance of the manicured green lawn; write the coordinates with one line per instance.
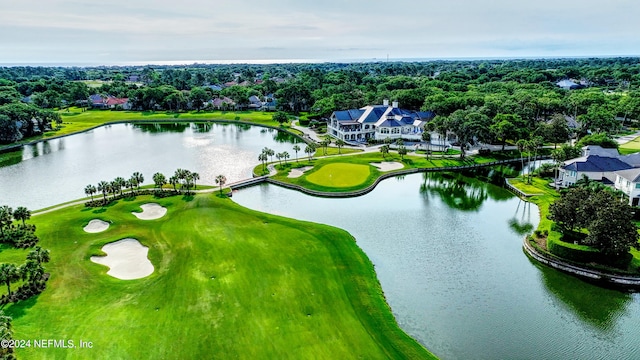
(75, 120)
(335, 151)
(631, 147)
(340, 175)
(228, 283)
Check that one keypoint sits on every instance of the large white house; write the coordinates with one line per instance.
(607, 166)
(378, 122)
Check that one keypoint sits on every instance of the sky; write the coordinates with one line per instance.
(188, 31)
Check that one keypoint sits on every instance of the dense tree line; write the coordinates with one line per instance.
(513, 98)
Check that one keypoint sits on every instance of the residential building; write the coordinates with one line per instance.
(378, 122)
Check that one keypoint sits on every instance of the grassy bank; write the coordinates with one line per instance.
(229, 282)
(76, 120)
(313, 179)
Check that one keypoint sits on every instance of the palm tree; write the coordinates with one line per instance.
(285, 156)
(22, 213)
(103, 187)
(263, 158)
(309, 149)
(90, 190)
(39, 255)
(221, 179)
(6, 217)
(426, 137)
(113, 188)
(129, 185)
(296, 148)
(8, 274)
(159, 179)
(340, 143)
(133, 183)
(139, 179)
(402, 151)
(174, 181)
(384, 149)
(279, 157)
(269, 152)
(195, 177)
(119, 182)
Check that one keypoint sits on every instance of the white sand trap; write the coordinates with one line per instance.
(150, 211)
(296, 173)
(96, 226)
(126, 259)
(388, 165)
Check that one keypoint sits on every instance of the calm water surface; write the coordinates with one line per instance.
(449, 257)
(447, 250)
(56, 171)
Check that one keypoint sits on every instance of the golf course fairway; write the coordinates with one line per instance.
(228, 282)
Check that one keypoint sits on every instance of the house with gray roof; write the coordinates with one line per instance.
(628, 181)
(594, 167)
(378, 122)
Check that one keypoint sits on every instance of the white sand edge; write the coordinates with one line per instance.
(388, 165)
(96, 226)
(126, 259)
(296, 173)
(150, 211)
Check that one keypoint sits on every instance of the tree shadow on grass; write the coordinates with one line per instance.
(188, 198)
(19, 309)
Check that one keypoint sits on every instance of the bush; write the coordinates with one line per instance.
(484, 151)
(577, 253)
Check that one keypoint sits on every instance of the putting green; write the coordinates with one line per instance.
(229, 283)
(340, 175)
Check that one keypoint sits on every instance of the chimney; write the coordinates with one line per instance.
(395, 104)
(385, 102)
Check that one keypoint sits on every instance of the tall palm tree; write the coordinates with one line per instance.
(279, 157)
(90, 190)
(195, 177)
(309, 149)
(296, 148)
(263, 159)
(6, 217)
(8, 274)
(340, 143)
(221, 180)
(113, 188)
(285, 156)
(426, 137)
(174, 181)
(103, 187)
(119, 182)
(159, 179)
(22, 213)
(139, 179)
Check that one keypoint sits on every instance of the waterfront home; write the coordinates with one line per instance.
(378, 122)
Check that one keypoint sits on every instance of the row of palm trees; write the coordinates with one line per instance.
(21, 235)
(267, 155)
(115, 186)
(185, 179)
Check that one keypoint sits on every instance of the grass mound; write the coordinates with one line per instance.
(340, 175)
(229, 282)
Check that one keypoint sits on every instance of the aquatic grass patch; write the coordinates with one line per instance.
(228, 282)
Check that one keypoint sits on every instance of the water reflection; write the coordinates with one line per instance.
(157, 128)
(597, 307)
(454, 189)
(520, 223)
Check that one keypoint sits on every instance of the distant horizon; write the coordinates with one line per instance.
(302, 61)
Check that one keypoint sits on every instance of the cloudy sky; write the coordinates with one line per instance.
(128, 31)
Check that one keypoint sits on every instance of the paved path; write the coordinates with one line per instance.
(625, 139)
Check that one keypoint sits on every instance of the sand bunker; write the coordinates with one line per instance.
(126, 259)
(96, 226)
(388, 165)
(296, 173)
(150, 211)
